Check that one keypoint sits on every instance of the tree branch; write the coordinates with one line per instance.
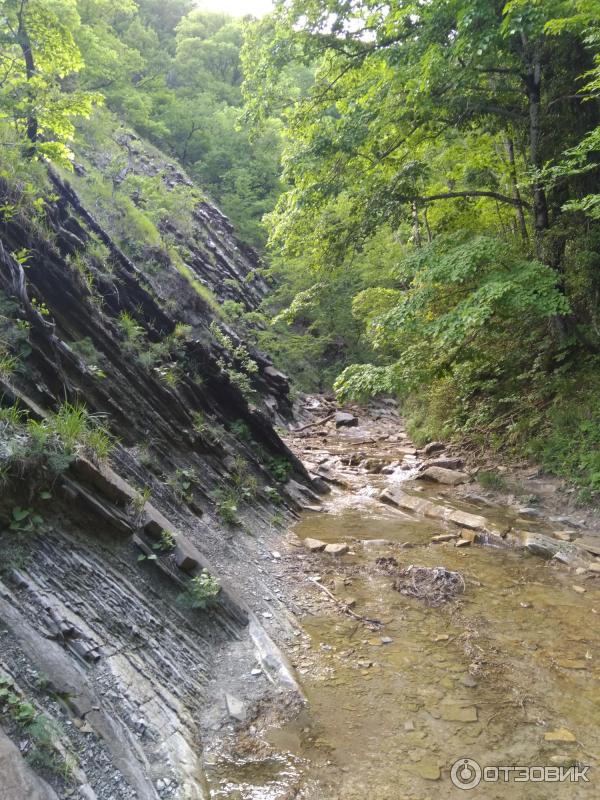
(502, 198)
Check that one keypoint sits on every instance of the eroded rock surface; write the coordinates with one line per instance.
(97, 604)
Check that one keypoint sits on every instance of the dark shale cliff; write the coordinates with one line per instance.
(97, 553)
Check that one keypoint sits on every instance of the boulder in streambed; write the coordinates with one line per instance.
(373, 465)
(235, 708)
(433, 447)
(445, 463)
(338, 549)
(319, 484)
(345, 420)
(314, 545)
(449, 477)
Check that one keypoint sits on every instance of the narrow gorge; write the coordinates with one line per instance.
(299, 428)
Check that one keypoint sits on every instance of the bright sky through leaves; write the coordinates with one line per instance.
(237, 8)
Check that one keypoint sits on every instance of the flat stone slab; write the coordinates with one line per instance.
(314, 545)
(590, 544)
(409, 502)
(546, 546)
(339, 549)
(466, 520)
(450, 477)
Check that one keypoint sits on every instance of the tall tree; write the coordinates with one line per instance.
(37, 56)
(394, 81)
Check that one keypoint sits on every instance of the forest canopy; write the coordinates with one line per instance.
(456, 141)
(422, 179)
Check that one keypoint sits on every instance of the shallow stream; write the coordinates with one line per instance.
(508, 675)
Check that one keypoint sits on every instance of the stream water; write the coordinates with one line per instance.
(507, 675)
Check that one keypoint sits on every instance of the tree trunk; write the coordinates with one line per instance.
(502, 226)
(416, 237)
(510, 152)
(533, 84)
(25, 45)
(427, 226)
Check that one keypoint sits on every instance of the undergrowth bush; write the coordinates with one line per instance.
(30, 445)
(201, 591)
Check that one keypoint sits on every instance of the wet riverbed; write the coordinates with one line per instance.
(506, 675)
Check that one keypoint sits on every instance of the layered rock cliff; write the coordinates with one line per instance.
(113, 673)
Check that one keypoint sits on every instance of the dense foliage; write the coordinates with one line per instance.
(170, 71)
(428, 171)
(458, 140)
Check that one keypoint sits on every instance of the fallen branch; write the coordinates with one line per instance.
(316, 422)
(345, 608)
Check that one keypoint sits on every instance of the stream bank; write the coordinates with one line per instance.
(398, 690)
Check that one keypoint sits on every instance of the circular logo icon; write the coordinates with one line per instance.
(465, 773)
